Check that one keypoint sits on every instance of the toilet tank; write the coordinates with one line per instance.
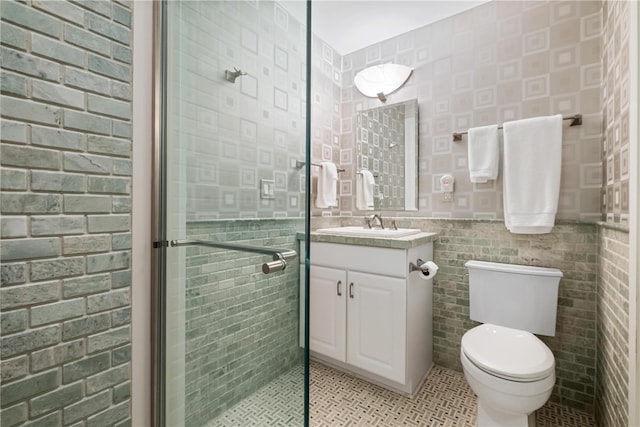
(515, 296)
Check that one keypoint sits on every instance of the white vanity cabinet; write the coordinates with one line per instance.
(328, 312)
(376, 324)
(369, 315)
(373, 333)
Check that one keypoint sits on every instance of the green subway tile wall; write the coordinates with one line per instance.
(66, 213)
(612, 379)
(241, 324)
(571, 247)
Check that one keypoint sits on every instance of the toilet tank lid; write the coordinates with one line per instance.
(514, 268)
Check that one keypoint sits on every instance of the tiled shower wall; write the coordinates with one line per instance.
(503, 60)
(66, 204)
(241, 325)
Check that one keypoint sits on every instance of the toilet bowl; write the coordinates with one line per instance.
(511, 371)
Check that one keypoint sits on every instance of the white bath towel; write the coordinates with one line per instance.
(483, 153)
(327, 183)
(532, 163)
(365, 185)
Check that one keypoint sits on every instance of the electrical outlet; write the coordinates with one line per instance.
(446, 186)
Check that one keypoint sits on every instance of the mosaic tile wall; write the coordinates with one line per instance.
(238, 134)
(612, 385)
(65, 278)
(571, 247)
(503, 60)
(616, 20)
(241, 324)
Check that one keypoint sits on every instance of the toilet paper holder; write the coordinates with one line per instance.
(427, 269)
(416, 267)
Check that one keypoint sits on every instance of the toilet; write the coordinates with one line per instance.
(510, 369)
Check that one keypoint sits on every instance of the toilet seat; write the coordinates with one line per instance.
(508, 353)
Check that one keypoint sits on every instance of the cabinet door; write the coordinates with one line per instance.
(327, 311)
(376, 324)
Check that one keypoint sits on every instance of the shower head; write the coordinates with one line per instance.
(231, 76)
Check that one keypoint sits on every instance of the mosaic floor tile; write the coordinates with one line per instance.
(340, 400)
(278, 404)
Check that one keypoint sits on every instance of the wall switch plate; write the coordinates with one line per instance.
(447, 196)
(267, 189)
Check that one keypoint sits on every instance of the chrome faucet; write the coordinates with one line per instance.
(375, 217)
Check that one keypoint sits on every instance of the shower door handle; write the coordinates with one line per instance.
(280, 256)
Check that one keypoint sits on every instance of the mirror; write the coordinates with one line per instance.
(387, 146)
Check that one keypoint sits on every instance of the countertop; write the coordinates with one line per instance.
(404, 242)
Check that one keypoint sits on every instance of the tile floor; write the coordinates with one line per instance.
(445, 399)
(340, 400)
(278, 404)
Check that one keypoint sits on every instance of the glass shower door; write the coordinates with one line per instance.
(232, 207)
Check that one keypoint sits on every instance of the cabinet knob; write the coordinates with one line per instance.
(351, 290)
(339, 288)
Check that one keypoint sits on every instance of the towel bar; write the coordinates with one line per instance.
(576, 120)
(375, 174)
(300, 164)
(280, 256)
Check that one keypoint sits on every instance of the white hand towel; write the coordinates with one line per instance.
(532, 163)
(327, 191)
(483, 153)
(365, 185)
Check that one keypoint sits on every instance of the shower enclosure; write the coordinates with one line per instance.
(231, 211)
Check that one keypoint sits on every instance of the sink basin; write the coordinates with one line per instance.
(358, 231)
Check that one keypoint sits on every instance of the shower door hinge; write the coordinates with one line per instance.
(161, 244)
